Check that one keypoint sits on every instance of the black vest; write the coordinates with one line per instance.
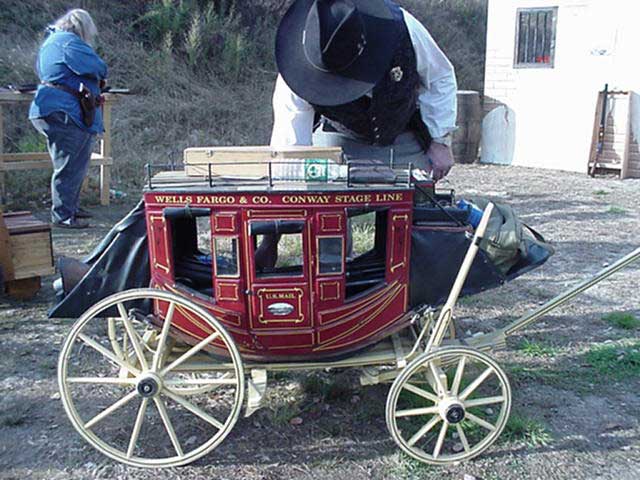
(393, 107)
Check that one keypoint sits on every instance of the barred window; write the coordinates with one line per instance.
(536, 37)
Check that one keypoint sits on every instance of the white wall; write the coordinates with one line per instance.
(597, 42)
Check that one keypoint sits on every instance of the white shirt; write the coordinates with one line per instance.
(293, 116)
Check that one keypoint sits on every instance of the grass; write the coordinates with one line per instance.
(536, 349)
(527, 430)
(281, 414)
(408, 468)
(601, 192)
(618, 361)
(616, 210)
(623, 320)
(580, 380)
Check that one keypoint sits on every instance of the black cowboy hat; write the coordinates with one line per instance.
(331, 52)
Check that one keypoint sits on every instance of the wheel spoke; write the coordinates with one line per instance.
(102, 380)
(111, 332)
(194, 409)
(162, 410)
(479, 421)
(476, 383)
(137, 426)
(455, 387)
(412, 412)
(191, 352)
(463, 438)
(483, 401)
(436, 377)
(420, 392)
(133, 336)
(423, 431)
(163, 338)
(440, 441)
(96, 346)
(108, 411)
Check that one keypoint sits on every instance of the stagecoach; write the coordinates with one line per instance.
(181, 317)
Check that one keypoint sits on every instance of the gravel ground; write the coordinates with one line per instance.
(575, 422)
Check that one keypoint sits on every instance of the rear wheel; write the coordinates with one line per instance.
(448, 405)
(140, 397)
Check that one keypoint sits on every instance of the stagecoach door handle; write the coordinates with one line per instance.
(248, 292)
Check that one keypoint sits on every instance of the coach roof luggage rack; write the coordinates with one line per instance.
(318, 172)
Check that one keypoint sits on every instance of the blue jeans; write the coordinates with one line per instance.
(70, 149)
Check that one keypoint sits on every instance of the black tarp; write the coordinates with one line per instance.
(437, 252)
(436, 257)
(120, 262)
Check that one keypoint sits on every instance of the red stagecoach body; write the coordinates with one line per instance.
(322, 306)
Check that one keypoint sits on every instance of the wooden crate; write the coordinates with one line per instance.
(250, 162)
(30, 246)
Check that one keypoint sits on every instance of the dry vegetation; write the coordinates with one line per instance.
(203, 72)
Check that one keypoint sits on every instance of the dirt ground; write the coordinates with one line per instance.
(572, 420)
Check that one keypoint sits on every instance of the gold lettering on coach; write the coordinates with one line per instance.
(280, 296)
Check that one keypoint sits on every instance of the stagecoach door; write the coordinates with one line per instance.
(278, 289)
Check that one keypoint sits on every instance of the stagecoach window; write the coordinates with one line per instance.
(363, 234)
(290, 255)
(366, 250)
(191, 252)
(226, 249)
(330, 253)
(203, 225)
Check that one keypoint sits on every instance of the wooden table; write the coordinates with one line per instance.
(36, 160)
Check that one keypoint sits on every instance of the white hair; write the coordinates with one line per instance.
(78, 21)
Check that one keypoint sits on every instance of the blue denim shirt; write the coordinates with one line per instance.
(64, 58)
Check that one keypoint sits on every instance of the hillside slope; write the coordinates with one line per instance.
(202, 71)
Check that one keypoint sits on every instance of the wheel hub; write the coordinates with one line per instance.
(452, 411)
(455, 414)
(148, 385)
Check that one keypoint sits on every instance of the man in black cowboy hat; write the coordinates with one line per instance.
(374, 77)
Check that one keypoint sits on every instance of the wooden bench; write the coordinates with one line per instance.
(41, 160)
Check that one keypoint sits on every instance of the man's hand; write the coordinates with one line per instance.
(440, 160)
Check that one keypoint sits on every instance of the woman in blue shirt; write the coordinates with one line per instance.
(66, 61)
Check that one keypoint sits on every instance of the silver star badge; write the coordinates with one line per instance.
(396, 74)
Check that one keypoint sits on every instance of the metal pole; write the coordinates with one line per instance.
(446, 314)
(569, 295)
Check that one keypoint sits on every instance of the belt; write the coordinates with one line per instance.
(64, 88)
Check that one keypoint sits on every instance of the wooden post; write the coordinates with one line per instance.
(2, 185)
(105, 152)
(624, 169)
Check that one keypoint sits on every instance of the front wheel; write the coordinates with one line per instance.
(137, 395)
(448, 406)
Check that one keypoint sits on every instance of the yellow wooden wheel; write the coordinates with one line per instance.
(448, 405)
(137, 398)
